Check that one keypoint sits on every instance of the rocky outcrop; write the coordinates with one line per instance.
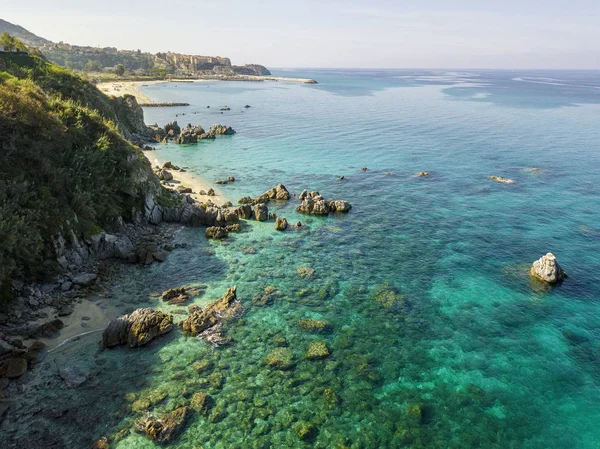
(107, 246)
(137, 329)
(261, 212)
(314, 204)
(339, 206)
(281, 224)
(222, 130)
(279, 193)
(175, 295)
(202, 319)
(190, 134)
(547, 269)
(216, 233)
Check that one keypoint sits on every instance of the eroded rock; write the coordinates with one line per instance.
(547, 269)
(137, 329)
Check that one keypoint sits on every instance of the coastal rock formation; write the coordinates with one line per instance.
(281, 224)
(547, 269)
(278, 192)
(261, 212)
(339, 206)
(221, 130)
(229, 180)
(503, 180)
(107, 246)
(175, 295)
(172, 128)
(202, 319)
(311, 206)
(216, 233)
(137, 329)
(244, 212)
(190, 134)
(314, 204)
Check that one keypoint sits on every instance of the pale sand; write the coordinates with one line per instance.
(120, 88)
(187, 179)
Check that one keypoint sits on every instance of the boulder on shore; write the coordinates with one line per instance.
(137, 329)
(547, 269)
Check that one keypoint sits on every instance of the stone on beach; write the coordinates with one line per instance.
(547, 269)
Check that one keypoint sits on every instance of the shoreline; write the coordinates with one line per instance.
(125, 87)
(187, 179)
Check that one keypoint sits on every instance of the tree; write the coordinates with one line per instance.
(120, 69)
(8, 42)
(93, 66)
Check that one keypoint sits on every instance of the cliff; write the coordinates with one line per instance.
(65, 166)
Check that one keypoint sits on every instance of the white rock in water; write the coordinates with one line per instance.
(547, 269)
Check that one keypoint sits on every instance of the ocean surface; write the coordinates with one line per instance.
(438, 337)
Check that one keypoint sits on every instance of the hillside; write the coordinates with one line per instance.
(22, 34)
(65, 166)
(94, 59)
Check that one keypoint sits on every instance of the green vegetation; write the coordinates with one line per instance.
(64, 165)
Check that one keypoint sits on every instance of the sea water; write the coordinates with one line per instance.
(470, 351)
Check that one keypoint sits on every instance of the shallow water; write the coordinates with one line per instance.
(474, 354)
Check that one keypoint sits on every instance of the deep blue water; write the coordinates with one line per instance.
(473, 353)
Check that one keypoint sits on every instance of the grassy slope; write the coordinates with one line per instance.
(63, 163)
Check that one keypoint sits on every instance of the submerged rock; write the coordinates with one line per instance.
(280, 358)
(503, 180)
(317, 350)
(313, 325)
(164, 428)
(305, 272)
(137, 329)
(548, 270)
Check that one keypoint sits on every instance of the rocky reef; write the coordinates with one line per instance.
(137, 329)
(547, 269)
(314, 204)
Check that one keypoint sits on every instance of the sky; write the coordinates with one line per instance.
(506, 34)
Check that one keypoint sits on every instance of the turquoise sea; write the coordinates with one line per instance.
(469, 353)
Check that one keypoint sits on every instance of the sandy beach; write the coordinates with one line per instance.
(187, 179)
(120, 88)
